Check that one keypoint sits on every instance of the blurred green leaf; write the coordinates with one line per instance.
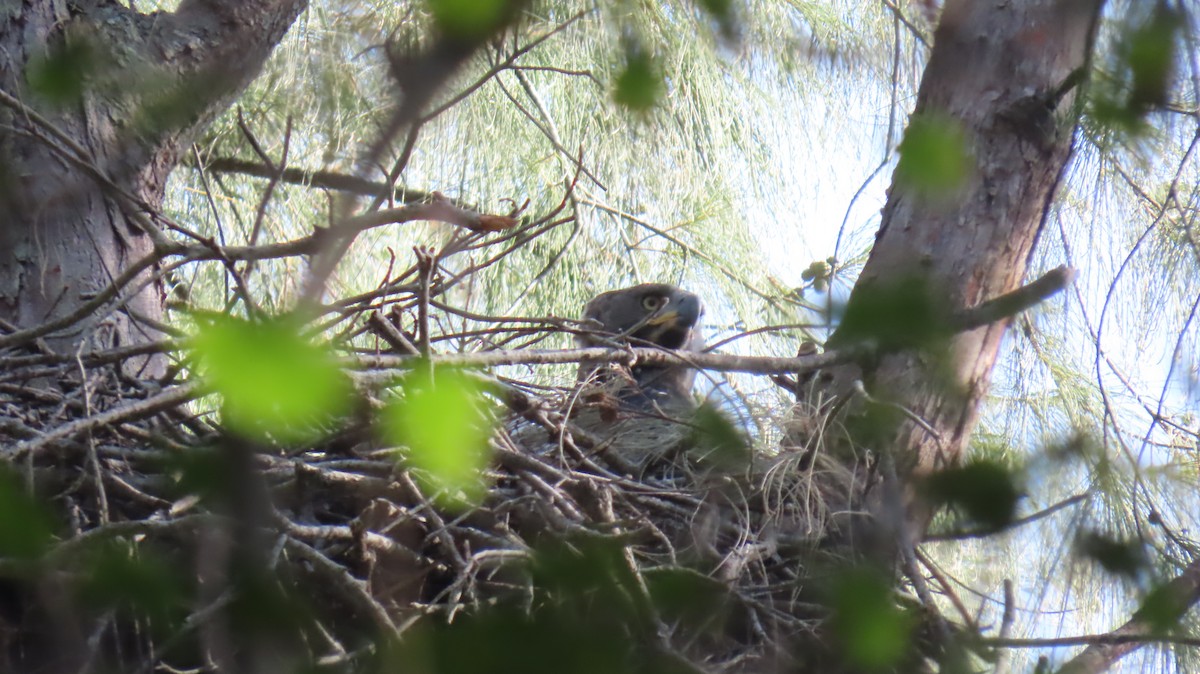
(985, 491)
(724, 14)
(873, 631)
(589, 571)
(25, 526)
(59, 74)
(901, 315)
(169, 103)
(469, 20)
(1150, 53)
(721, 9)
(441, 420)
(273, 381)
(1162, 608)
(118, 575)
(1078, 445)
(692, 599)
(584, 619)
(717, 441)
(507, 638)
(640, 84)
(874, 426)
(1124, 558)
(935, 159)
(200, 472)
(1147, 53)
(262, 605)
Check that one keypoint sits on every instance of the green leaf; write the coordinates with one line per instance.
(639, 87)
(1122, 557)
(25, 526)
(907, 314)
(718, 441)
(59, 74)
(984, 490)
(724, 14)
(274, 382)
(1150, 55)
(443, 425)
(873, 631)
(469, 20)
(1162, 608)
(118, 575)
(690, 598)
(935, 160)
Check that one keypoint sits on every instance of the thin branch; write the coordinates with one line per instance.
(1104, 650)
(329, 180)
(628, 357)
(139, 410)
(981, 533)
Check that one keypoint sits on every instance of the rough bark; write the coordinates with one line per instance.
(81, 178)
(1003, 72)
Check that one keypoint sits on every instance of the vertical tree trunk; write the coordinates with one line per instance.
(82, 173)
(1002, 72)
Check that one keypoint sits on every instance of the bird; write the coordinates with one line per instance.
(637, 415)
(640, 413)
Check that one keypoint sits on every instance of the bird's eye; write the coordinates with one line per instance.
(653, 302)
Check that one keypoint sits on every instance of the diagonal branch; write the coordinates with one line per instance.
(1184, 590)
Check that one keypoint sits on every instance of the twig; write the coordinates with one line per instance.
(1006, 624)
(425, 267)
(391, 335)
(139, 410)
(981, 533)
(320, 179)
(352, 587)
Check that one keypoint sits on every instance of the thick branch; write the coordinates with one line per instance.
(1011, 303)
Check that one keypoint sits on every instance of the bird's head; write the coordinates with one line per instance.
(651, 314)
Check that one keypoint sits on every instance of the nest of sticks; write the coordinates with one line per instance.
(123, 470)
(147, 537)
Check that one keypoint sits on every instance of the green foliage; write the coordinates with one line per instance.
(470, 20)
(60, 74)
(909, 314)
(724, 13)
(25, 526)
(263, 605)
(1146, 60)
(441, 421)
(273, 381)
(584, 619)
(985, 491)
(1162, 608)
(717, 441)
(120, 575)
(935, 157)
(201, 472)
(694, 600)
(640, 85)
(874, 633)
(1126, 558)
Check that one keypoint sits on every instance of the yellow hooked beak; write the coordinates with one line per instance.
(665, 318)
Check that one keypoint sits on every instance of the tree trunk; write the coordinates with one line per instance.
(98, 101)
(1002, 75)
